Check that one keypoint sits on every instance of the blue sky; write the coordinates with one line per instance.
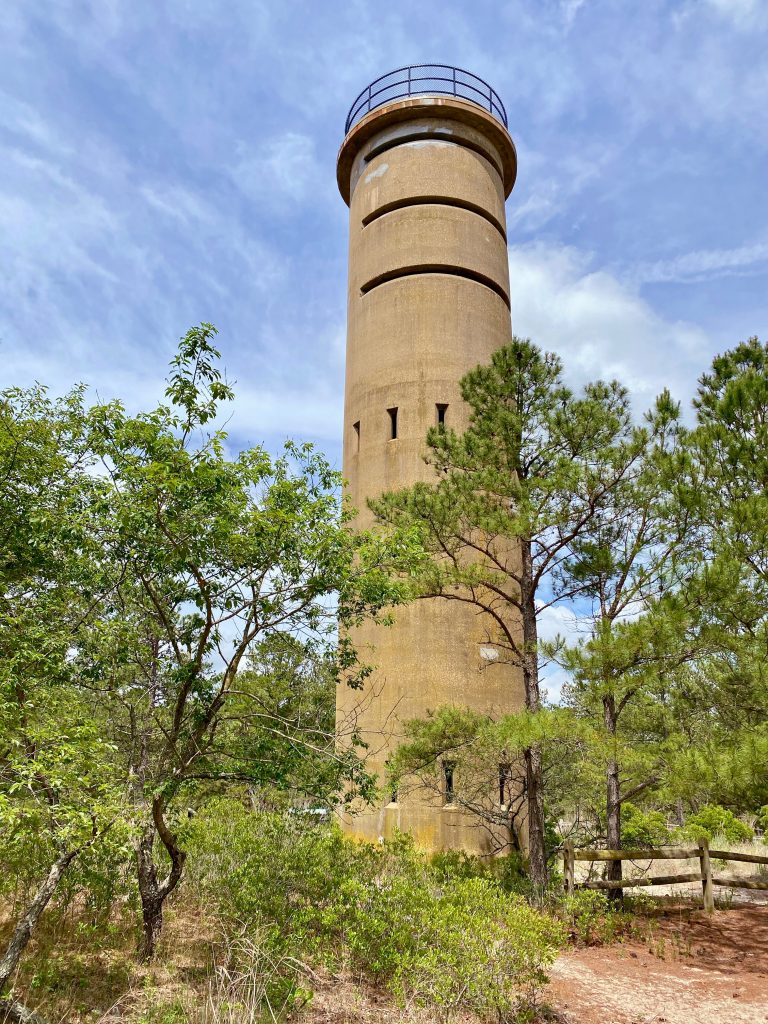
(169, 162)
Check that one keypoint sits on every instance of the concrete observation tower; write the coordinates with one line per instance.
(425, 167)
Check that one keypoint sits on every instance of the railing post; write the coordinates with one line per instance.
(706, 876)
(409, 81)
(568, 868)
(454, 81)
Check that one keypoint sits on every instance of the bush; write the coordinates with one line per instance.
(712, 821)
(590, 918)
(451, 864)
(481, 950)
(441, 933)
(99, 878)
(511, 872)
(642, 828)
(273, 874)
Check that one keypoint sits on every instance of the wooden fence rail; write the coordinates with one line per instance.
(704, 875)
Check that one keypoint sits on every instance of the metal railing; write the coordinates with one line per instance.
(426, 79)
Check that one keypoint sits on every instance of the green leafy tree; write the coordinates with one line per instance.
(488, 757)
(730, 460)
(719, 728)
(643, 828)
(711, 821)
(513, 494)
(281, 725)
(211, 555)
(60, 790)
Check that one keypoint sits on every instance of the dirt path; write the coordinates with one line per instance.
(689, 970)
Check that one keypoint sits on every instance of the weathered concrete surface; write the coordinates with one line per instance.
(428, 300)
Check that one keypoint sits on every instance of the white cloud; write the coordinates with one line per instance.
(742, 13)
(544, 191)
(570, 9)
(25, 121)
(600, 326)
(313, 410)
(704, 263)
(283, 171)
(557, 621)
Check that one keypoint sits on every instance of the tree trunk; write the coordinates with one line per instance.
(612, 801)
(152, 891)
(13, 1012)
(679, 812)
(537, 854)
(22, 933)
(534, 776)
(149, 891)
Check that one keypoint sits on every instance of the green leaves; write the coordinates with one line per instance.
(453, 941)
(216, 556)
(144, 569)
(196, 384)
(58, 784)
(536, 469)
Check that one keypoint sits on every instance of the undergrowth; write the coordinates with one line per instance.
(272, 908)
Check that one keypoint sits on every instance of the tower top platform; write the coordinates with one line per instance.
(431, 116)
(426, 79)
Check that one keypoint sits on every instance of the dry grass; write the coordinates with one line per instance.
(73, 965)
(77, 975)
(79, 972)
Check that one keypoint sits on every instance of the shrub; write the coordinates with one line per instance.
(642, 828)
(512, 874)
(384, 923)
(483, 950)
(711, 821)
(99, 879)
(451, 864)
(272, 873)
(443, 933)
(590, 918)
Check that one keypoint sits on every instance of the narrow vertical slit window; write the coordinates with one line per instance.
(393, 795)
(392, 423)
(448, 790)
(356, 428)
(442, 408)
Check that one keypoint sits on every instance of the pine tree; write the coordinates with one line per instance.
(513, 495)
(626, 558)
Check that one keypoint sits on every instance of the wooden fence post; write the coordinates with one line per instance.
(568, 867)
(706, 876)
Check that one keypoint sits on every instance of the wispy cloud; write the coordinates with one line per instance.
(570, 9)
(282, 173)
(601, 327)
(162, 164)
(705, 264)
(744, 14)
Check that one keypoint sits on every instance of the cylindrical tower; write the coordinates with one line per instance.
(425, 177)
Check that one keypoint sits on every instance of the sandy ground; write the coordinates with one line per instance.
(689, 970)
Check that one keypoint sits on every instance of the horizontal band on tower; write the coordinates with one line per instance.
(462, 204)
(426, 136)
(435, 268)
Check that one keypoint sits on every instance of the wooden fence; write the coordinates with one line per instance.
(704, 875)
